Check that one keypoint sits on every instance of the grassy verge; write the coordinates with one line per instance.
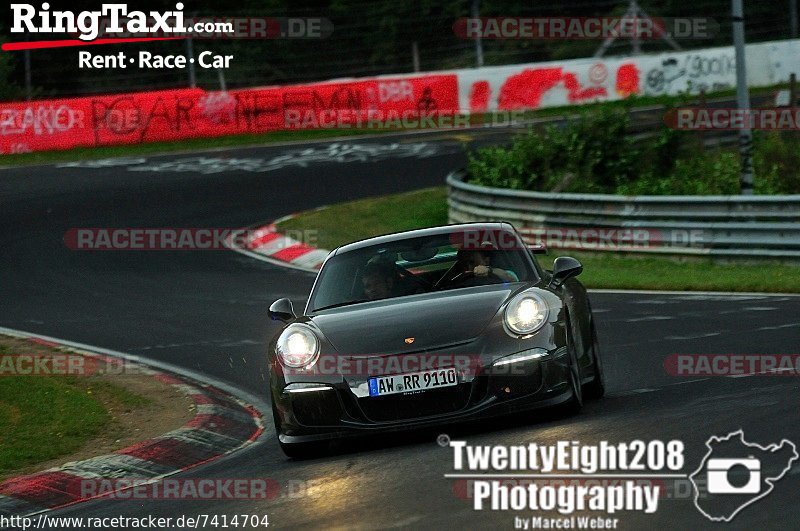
(346, 222)
(199, 144)
(355, 220)
(46, 417)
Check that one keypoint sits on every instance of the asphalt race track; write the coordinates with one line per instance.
(206, 311)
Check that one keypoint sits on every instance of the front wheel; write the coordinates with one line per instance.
(596, 388)
(575, 403)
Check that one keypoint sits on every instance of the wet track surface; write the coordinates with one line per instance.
(207, 311)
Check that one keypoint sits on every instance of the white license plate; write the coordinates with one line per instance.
(408, 383)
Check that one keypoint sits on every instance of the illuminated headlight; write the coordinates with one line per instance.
(298, 346)
(526, 313)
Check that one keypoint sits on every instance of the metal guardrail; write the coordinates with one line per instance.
(717, 226)
(647, 122)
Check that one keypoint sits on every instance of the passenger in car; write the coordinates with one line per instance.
(479, 263)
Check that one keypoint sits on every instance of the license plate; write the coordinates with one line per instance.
(407, 383)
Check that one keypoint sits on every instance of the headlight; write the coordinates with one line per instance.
(526, 313)
(298, 346)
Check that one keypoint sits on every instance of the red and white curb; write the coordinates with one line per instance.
(223, 424)
(265, 242)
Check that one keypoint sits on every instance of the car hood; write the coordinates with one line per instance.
(434, 320)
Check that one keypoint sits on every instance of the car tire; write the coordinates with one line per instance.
(574, 405)
(595, 389)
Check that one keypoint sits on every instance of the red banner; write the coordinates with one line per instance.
(194, 113)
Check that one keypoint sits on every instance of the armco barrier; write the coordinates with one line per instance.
(717, 226)
(559, 83)
(192, 113)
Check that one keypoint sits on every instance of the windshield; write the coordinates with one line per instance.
(417, 265)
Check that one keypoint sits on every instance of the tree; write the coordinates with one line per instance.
(9, 90)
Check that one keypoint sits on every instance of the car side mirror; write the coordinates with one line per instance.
(282, 310)
(537, 248)
(565, 267)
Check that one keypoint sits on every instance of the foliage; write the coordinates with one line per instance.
(9, 90)
(369, 37)
(590, 150)
(597, 153)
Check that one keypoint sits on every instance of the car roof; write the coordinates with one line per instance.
(430, 231)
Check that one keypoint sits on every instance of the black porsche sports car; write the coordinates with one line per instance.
(429, 327)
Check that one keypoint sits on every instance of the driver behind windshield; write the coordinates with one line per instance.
(379, 281)
(479, 263)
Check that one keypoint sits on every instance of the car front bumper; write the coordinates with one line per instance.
(524, 380)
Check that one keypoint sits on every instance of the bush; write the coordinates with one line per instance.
(596, 153)
(590, 153)
(698, 175)
(776, 163)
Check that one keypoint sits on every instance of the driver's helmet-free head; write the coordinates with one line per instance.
(469, 258)
(378, 279)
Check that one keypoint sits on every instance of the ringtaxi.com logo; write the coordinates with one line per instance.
(117, 21)
(26, 18)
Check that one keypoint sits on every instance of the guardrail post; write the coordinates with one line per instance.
(793, 91)
(746, 180)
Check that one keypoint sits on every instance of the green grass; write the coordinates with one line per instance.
(356, 220)
(612, 271)
(346, 222)
(120, 395)
(199, 144)
(43, 418)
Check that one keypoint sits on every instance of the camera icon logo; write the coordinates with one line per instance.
(723, 475)
(736, 473)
